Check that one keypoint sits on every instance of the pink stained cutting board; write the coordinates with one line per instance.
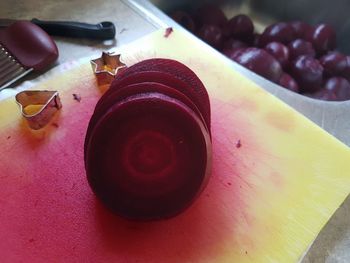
(266, 200)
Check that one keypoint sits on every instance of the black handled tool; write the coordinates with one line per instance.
(102, 31)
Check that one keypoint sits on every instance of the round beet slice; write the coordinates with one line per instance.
(134, 89)
(157, 77)
(145, 87)
(148, 157)
(146, 76)
(179, 71)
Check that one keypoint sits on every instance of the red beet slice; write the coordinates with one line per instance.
(157, 77)
(143, 166)
(128, 89)
(195, 88)
(144, 87)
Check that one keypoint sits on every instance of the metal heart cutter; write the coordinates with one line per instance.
(106, 67)
(38, 106)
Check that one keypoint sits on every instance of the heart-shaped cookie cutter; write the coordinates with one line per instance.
(49, 102)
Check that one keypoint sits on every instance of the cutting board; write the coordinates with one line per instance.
(276, 179)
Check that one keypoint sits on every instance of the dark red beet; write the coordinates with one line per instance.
(144, 166)
(195, 89)
(156, 77)
(239, 27)
(347, 69)
(232, 44)
(308, 72)
(210, 14)
(301, 29)
(323, 38)
(147, 148)
(233, 53)
(340, 86)
(280, 52)
(288, 82)
(140, 77)
(260, 62)
(256, 40)
(278, 32)
(133, 86)
(334, 64)
(300, 47)
(184, 19)
(212, 35)
(323, 94)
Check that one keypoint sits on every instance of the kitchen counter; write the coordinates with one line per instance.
(332, 244)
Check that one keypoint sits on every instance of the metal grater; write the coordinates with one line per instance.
(24, 47)
(10, 69)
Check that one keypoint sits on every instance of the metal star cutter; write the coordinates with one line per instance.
(106, 67)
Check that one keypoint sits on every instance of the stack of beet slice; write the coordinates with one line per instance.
(148, 144)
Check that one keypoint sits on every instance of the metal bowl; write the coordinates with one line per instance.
(331, 116)
(332, 243)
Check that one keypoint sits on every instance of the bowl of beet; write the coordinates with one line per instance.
(148, 144)
(295, 55)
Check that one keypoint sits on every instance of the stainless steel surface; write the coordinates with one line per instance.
(13, 77)
(49, 102)
(10, 69)
(136, 18)
(129, 24)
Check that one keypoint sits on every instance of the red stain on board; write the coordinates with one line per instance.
(168, 32)
(47, 198)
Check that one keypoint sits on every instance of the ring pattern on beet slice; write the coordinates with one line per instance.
(144, 166)
(139, 88)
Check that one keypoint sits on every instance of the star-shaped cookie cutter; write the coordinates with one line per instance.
(106, 67)
(48, 101)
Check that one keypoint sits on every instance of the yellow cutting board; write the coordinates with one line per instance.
(277, 178)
